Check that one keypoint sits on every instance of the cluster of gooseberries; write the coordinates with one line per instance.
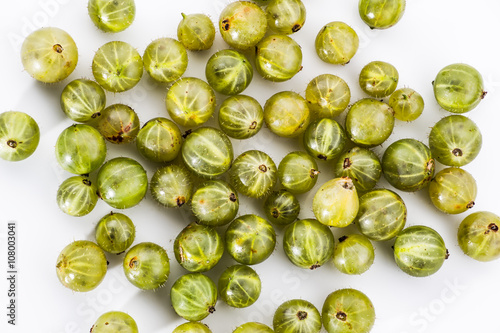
(207, 153)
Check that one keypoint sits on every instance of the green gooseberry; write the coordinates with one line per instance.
(453, 190)
(382, 214)
(196, 32)
(348, 310)
(117, 66)
(242, 24)
(378, 79)
(458, 88)
(147, 266)
(281, 207)
(407, 104)
(262, 2)
(192, 327)
(420, 251)
(122, 182)
(112, 15)
(115, 232)
(241, 117)
(297, 315)
(159, 140)
(408, 165)
(119, 124)
(478, 236)
(165, 60)
(337, 43)
(239, 286)
(81, 266)
(286, 114)
(328, 96)
(455, 140)
(198, 248)
(207, 152)
(193, 296)
(325, 139)
(114, 321)
(190, 101)
(49, 54)
(229, 72)
(361, 165)
(253, 174)
(278, 58)
(77, 196)
(308, 243)
(172, 186)
(250, 239)
(353, 254)
(381, 14)
(286, 16)
(83, 100)
(336, 203)
(253, 327)
(298, 172)
(215, 203)
(19, 136)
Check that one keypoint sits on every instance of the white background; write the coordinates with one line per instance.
(461, 297)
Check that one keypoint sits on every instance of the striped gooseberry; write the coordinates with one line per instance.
(83, 100)
(378, 79)
(453, 190)
(115, 232)
(337, 43)
(19, 136)
(298, 172)
(118, 124)
(215, 203)
(196, 32)
(114, 321)
(165, 60)
(77, 196)
(286, 114)
(229, 72)
(286, 16)
(192, 327)
(278, 58)
(172, 186)
(159, 140)
(325, 139)
(361, 165)
(253, 327)
(239, 286)
(112, 15)
(193, 296)
(478, 236)
(297, 315)
(407, 104)
(146, 266)
(281, 207)
(353, 254)
(241, 117)
(381, 14)
(328, 96)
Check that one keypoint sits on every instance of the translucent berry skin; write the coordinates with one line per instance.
(114, 321)
(325, 139)
(253, 327)
(198, 248)
(361, 165)
(286, 114)
(408, 165)
(348, 310)
(281, 207)
(297, 315)
(194, 296)
(207, 152)
(122, 182)
(172, 186)
(215, 203)
(298, 172)
(49, 55)
(278, 58)
(336, 203)
(328, 96)
(241, 117)
(354, 254)
(83, 100)
(192, 327)
(165, 60)
(419, 251)
(478, 236)
(242, 24)
(250, 239)
(455, 140)
(337, 43)
(159, 140)
(112, 16)
(239, 286)
(458, 88)
(253, 174)
(453, 190)
(19, 136)
(380, 14)
(378, 79)
(115, 232)
(407, 104)
(382, 214)
(81, 266)
(77, 196)
(117, 66)
(190, 102)
(146, 266)
(286, 16)
(119, 124)
(308, 243)
(196, 32)
(229, 72)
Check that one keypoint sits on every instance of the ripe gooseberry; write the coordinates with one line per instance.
(114, 321)
(118, 124)
(83, 100)
(378, 79)
(111, 15)
(328, 96)
(286, 16)
(281, 207)
(241, 117)
(215, 203)
(159, 140)
(353, 254)
(361, 165)
(19, 136)
(193, 296)
(253, 327)
(239, 286)
(337, 43)
(381, 14)
(172, 185)
(286, 114)
(146, 266)
(297, 315)
(325, 139)
(278, 58)
(115, 232)
(229, 72)
(196, 32)
(77, 196)
(298, 172)
(192, 327)
(453, 190)
(165, 60)
(407, 104)
(478, 236)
